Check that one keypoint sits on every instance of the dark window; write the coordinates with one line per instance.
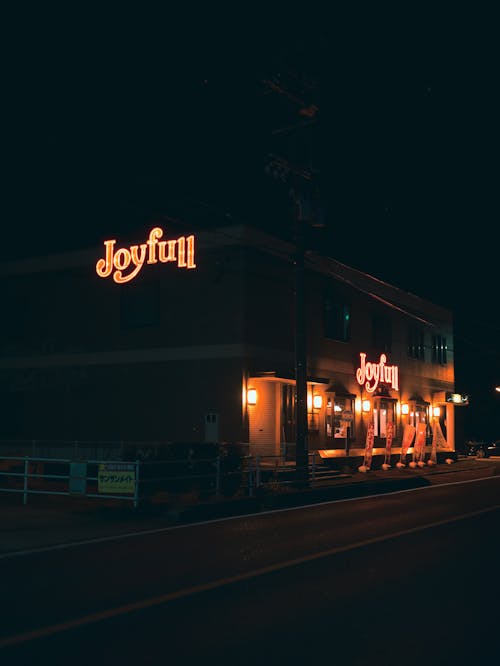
(140, 305)
(337, 319)
(416, 348)
(439, 349)
(382, 333)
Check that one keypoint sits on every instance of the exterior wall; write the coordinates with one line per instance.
(161, 401)
(73, 366)
(264, 418)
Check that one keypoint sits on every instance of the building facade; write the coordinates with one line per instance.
(191, 338)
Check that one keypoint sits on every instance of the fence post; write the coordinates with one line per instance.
(257, 471)
(25, 484)
(314, 465)
(217, 475)
(136, 487)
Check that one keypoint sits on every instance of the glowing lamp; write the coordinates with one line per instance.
(404, 408)
(436, 411)
(252, 396)
(366, 405)
(317, 401)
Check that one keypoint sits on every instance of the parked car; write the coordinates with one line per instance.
(484, 449)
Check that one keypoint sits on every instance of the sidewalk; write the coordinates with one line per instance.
(48, 521)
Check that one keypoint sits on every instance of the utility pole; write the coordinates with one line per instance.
(300, 181)
(301, 440)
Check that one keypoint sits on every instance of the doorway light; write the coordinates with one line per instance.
(317, 401)
(252, 396)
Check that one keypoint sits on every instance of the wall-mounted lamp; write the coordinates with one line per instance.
(252, 396)
(366, 405)
(404, 408)
(436, 411)
(317, 401)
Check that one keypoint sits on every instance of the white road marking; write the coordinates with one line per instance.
(158, 530)
(196, 589)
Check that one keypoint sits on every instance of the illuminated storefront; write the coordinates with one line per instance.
(190, 337)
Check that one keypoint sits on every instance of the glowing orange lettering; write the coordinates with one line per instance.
(116, 262)
(378, 372)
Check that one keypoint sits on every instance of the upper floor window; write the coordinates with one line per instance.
(416, 348)
(382, 333)
(439, 349)
(337, 318)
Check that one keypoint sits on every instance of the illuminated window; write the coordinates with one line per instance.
(419, 412)
(384, 412)
(339, 418)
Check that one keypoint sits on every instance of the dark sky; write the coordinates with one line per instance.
(113, 121)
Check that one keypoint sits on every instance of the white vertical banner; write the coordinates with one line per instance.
(389, 434)
(419, 447)
(370, 438)
(408, 434)
(438, 441)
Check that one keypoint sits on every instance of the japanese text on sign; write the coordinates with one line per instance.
(116, 478)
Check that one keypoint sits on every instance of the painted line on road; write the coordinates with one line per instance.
(110, 613)
(169, 528)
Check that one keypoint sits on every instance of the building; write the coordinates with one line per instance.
(190, 338)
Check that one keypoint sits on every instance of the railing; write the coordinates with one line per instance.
(60, 476)
(142, 480)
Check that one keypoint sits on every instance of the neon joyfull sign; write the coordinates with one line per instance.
(371, 374)
(117, 262)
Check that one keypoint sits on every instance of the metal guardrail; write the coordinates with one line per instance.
(136, 481)
(22, 471)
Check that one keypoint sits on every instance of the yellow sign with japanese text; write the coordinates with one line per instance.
(116, 478)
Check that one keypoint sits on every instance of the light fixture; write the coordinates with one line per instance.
(404, 408)
(366, 405)
(317, 401)
(252, 396)
(436, 411)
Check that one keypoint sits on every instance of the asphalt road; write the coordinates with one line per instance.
(380, 580)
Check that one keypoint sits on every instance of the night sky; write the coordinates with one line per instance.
(115, 121)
